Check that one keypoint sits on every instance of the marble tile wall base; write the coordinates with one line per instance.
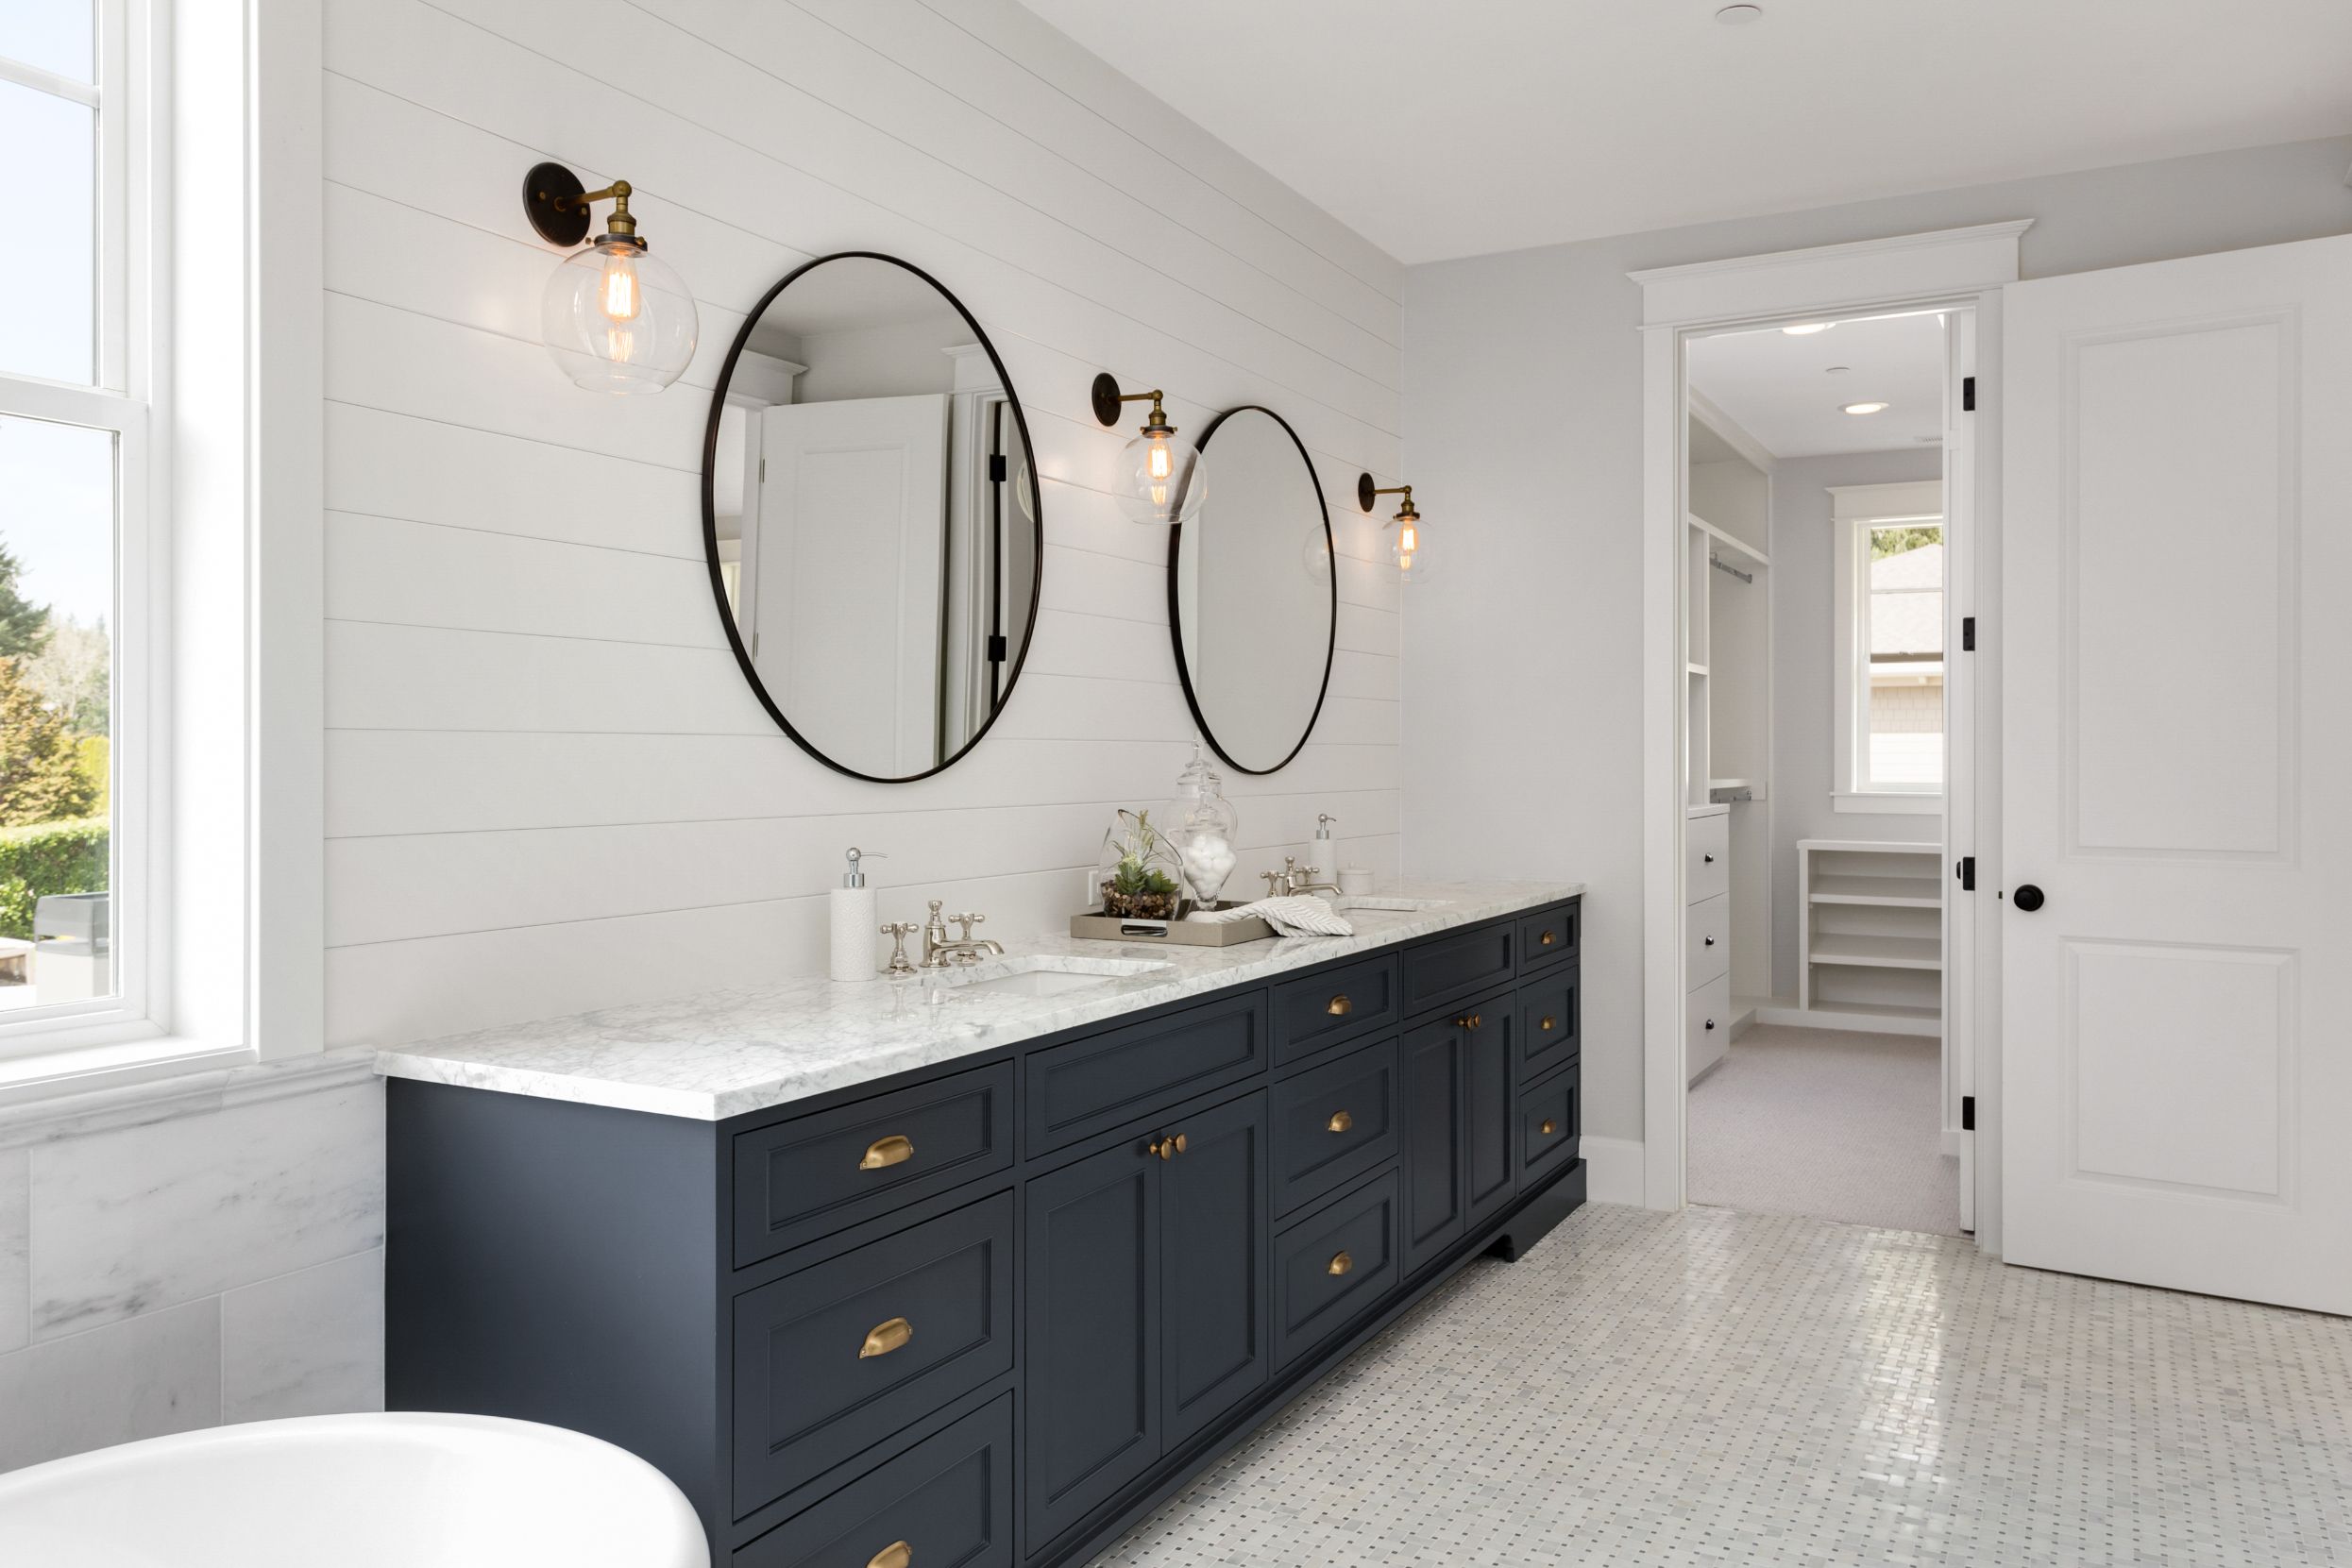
(205, 1251)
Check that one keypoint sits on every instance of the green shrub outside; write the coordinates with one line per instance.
(48, 857)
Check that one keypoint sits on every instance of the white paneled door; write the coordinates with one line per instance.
(2177, 1076)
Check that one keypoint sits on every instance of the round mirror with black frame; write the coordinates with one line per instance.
(871, 517)
(1252, 603)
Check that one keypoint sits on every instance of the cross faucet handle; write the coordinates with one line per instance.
(968, 921)
(1276, 883)
(901, 930)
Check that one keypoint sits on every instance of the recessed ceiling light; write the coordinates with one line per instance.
(1807, 329)
(1865, 408)
(1837, 370)
(1739, 16)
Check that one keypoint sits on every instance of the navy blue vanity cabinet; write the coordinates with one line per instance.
(1489, 1107)
(1147, 1303)
(1435, 1211)
(989, 1313)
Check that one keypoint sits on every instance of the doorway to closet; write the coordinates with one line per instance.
(1819, 542)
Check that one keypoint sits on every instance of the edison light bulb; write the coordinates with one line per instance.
(618, 291)
(1161, 464)
(1162, 482)
(1411, 563)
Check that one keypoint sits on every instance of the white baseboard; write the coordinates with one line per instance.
(1613, 1170)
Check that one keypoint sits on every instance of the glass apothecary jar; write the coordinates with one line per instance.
(1137, 871)
(1202, 827)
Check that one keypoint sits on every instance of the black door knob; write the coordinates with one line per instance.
(2027, 897)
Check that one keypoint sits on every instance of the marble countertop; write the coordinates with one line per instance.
(720, 1053)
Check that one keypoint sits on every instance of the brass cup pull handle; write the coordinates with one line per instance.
(896, 1554)
(1548, 1127)
(1547, 939)
(1340, 1264)
(1549, 1023)
(884, 1152)
(883, 1338)
(1341, 1122)
(1340, 1006)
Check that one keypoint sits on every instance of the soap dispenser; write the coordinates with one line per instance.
(1323, 855)
(856, 910)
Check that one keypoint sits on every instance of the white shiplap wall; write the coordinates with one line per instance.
(548, 786)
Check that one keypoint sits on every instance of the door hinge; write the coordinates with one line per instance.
(1968, 634)
(1965, 871)
(763, 470)
(1968, 1113)
(996, 467)
(1968, 395)
(998, 651)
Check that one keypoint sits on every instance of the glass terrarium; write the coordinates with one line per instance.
(1138, 871)
(1202, 827)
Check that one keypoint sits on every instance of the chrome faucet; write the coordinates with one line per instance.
(938, 952)
(1294, 879)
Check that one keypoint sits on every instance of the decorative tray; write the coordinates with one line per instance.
(1094, 925)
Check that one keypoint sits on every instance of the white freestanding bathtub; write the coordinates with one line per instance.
(395, 1490)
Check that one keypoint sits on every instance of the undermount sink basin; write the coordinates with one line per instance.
(1035, 976)
(1389, 901)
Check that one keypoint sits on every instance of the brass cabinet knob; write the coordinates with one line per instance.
(1166, 1148)
(883, 1338)
(883, 1152)
(1340, 1006)
(1340, 1264)
(1549, 1023)
(1476, 1019)
(1341, 1122)
(1547, 939)
(1548, 1127)
(896, 1554)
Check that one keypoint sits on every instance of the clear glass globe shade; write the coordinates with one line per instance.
(1161, 479)
(615, 318)
(1412, 550)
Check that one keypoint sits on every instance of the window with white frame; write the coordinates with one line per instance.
(1889, 635)
(76, 392)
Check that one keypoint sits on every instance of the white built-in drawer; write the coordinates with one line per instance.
(1707, 857)
(1707, 941)
(1709, 1012)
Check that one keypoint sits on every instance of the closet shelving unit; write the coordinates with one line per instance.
(1873, 934)
(1728, 661)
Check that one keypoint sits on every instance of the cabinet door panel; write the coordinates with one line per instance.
(1488, 1111)
(1434, 1210)
(1214, 1209)
(1092, 1317)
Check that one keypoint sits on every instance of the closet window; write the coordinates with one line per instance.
(1889, 668)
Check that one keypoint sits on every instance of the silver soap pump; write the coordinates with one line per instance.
(856, 910)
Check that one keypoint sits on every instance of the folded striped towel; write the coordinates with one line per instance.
(1302, 915)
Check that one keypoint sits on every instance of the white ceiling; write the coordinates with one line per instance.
(1782, 391)
(1457, 128)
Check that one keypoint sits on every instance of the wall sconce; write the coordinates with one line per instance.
(1412, 564)
(1159, 482)
(614, 318)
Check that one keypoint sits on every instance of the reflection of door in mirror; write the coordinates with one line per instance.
(873, 518)
(847, 573)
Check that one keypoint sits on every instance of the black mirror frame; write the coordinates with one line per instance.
(710, 516)
(1330, 642)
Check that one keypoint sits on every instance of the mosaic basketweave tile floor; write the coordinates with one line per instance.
(1713, 1386)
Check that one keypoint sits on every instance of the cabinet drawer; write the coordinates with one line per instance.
(837, 1358)
(1550, 1124)
(1706, 857)
(1334, 1123)
(1707, 1021)
(1549, 936)
(948, 1500)
(816, 1174)
(1706, 940)
(1449, 968)
(1334, 1005)
(1549, 1030)
(1093, 1086)
(1334, 1263)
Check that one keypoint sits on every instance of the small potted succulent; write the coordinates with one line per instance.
(1138, 871)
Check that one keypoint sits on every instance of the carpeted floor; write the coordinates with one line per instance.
(1826, 1123)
